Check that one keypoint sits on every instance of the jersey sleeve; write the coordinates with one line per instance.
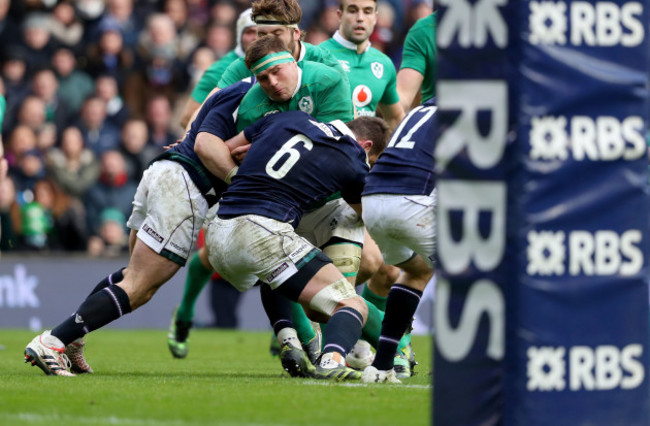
(414, 54)
(208, 81)
(235, 72)
(353, 186)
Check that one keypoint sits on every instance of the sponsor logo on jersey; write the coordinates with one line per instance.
(179, 248)
(377, 69)
(361, 96)
(277, 271)
(156, 236)
(306, 104)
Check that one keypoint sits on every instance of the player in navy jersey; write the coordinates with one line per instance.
(169, 207)
(293, 161)
(398, 211)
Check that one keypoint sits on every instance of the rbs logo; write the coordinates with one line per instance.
(601, 24)
(601, 368)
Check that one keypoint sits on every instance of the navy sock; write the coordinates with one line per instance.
(277, 307)
(343, 331)
(96, 311)
(400, 306)
(113, 278)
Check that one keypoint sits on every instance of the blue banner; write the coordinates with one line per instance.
(541, 308)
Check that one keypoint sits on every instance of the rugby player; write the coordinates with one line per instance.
(398, 211)
(169, 207)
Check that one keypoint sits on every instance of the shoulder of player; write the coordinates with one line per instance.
(311, 67)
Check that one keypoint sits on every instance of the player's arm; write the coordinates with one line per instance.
(215, 155)
(409, 82)
(335, 101)
(392, 114)
(196, 111)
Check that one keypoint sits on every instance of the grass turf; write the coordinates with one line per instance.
(228, 378)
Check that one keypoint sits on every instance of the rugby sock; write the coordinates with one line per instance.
(277, 308)
(96, 311)
(197, 277)
(400, 307)
(374, 298)
(113, 278)
(343, 331)
(302, 323)
(372, 330)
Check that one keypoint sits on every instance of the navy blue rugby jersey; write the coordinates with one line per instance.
(406, 166)
(217, 116)
(293, 162)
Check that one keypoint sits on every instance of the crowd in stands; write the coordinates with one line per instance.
(95, 89)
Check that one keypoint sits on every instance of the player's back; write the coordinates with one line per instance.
(406, 165)
(293, 162)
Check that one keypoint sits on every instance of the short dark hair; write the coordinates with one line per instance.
(288, 11)
(343, 1)
(262, 47)
(371, 128)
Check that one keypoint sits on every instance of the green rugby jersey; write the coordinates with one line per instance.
(212, 75)
(420, 53)
(321, 93)
(372, 75)
(237, 71)
(3, 108)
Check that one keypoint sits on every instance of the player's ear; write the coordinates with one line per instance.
(366, 144)
(296, 34)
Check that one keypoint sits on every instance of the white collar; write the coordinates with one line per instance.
(299, 82)
(301, 55)
(347, 44)
(341, 127)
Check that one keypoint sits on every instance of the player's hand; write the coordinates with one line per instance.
(239, 153)
(171, 145)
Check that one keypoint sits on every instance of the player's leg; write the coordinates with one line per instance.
(198, 275)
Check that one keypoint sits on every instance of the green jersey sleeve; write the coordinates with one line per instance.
(420, 53)
(390, 96)
(3, 108)
(235, 72)
(211, 77)
(333, 98)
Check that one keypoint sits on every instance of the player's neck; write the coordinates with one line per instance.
(359, 48)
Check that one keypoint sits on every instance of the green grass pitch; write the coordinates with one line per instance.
(228, 378)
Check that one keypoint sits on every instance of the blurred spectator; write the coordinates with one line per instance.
(113, 240)
(16, 83)
(224, 12)
(74, 84)
(45, 86)
(383, 37)
(37, 40)
(186, 36)
(202, 58)
(90, 10)
(137, 153)
(9, 215)
(31, 112)
(113, 189)
(159, 70)
(21, 139)
(47, 138)
(9, 29)
(158, 118)
(52, 220)
(99, 134)
(329, 19)
(316, 35)
(198, 15)
(29, 169)
(120, 14)
(219, 39)
(65, 27)
(310, 11)
(116, 110)
(109, 55)
(73, 167)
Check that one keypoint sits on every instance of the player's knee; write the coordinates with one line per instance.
(356, 303)
(328, 299)
(346, 257)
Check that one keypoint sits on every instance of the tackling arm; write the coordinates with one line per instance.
(215, 155)
(409, 82)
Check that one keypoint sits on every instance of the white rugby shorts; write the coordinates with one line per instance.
(251, 247)
(335, 219)
(401, 225)
(168, 210)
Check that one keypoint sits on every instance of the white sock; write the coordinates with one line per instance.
(288, 335)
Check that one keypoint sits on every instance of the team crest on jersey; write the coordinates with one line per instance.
(361, 96)
(306, 104)
(345, 64)
(377, 69)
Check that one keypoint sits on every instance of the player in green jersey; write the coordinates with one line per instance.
(373, 79)
(246, 34)
(417, 71)
(280, 18)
